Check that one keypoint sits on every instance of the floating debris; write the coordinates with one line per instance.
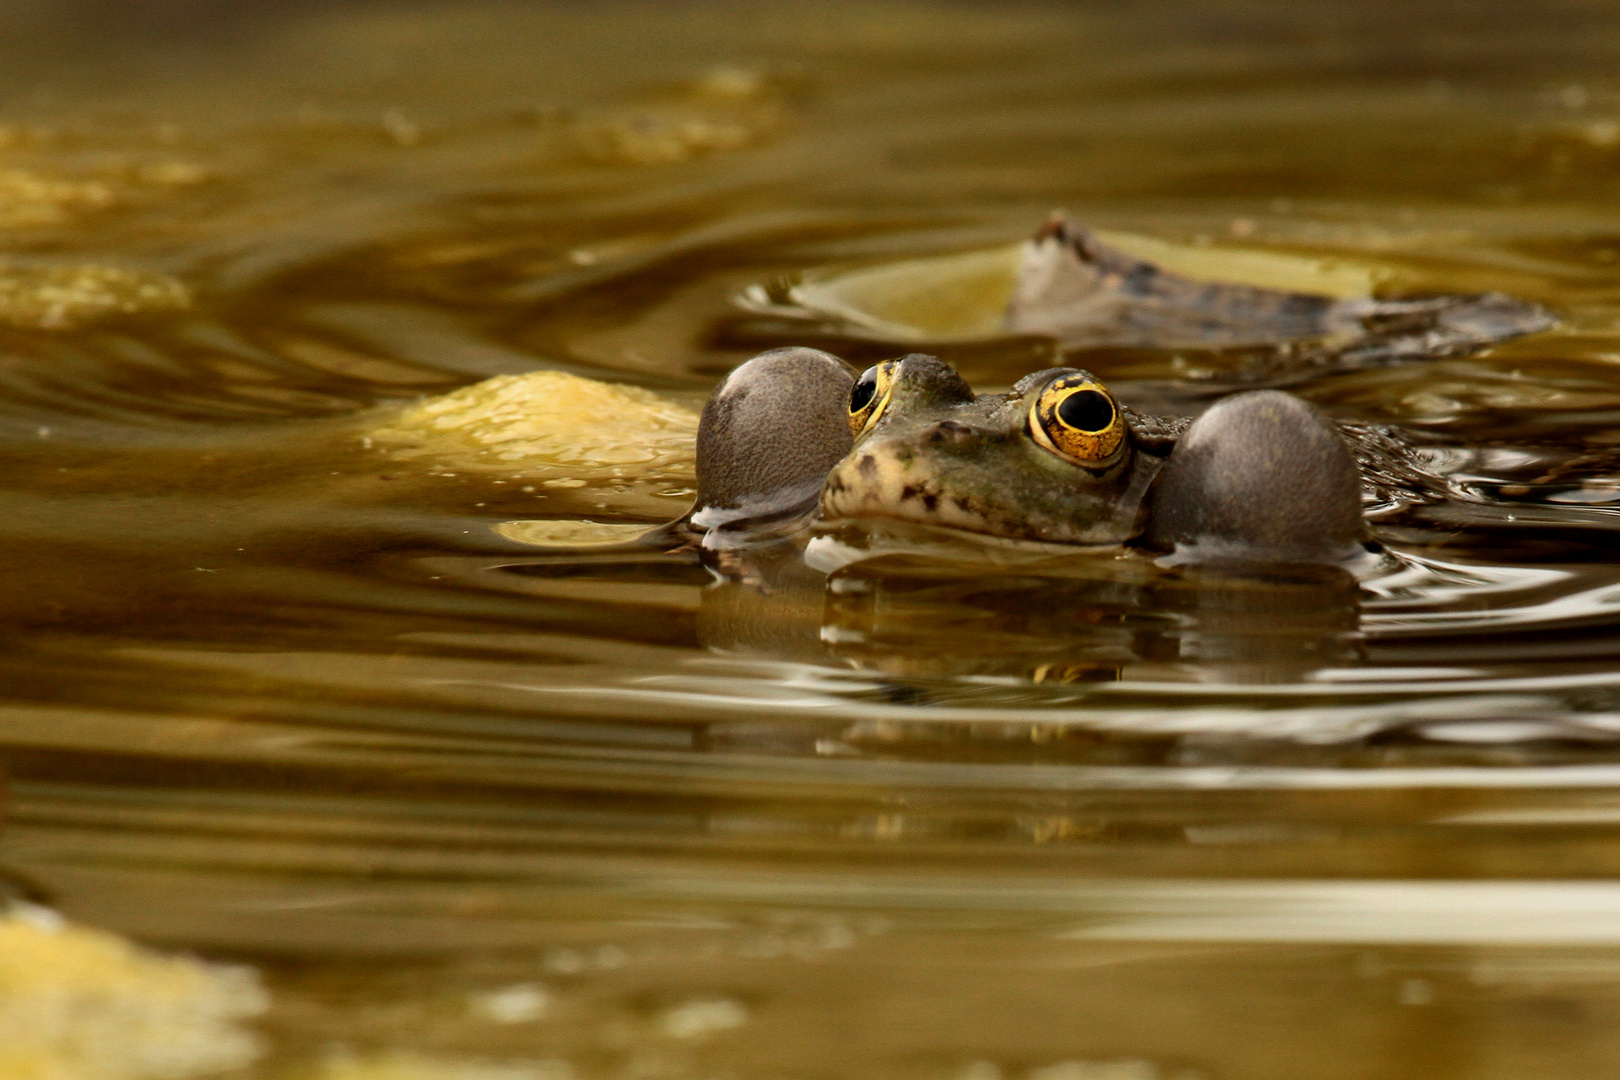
(28, 200)
(663, 137)
(966, 296)
(520, 1003)
(65, 296)
(702, 1016)
(81, 1004)
(414, 1067)
(1088, 294)
(727, 108)
(569, 533)
(944, 298)
(552, 426)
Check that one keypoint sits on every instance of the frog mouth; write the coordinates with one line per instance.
(842, 510)
(878, 487)
(837, 543)
(878, 493)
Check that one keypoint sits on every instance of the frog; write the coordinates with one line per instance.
(795, 441)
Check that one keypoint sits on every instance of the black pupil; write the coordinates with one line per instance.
(860, 395)
(1086, 410)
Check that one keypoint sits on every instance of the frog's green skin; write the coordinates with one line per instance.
(939, 455)
(1260, 476)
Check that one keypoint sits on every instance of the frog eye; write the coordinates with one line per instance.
(870, 396)
(1075, 417)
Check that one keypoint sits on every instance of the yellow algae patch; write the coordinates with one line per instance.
(662, 139)
(169, 174)
(569, 533)
(728, 108)
(729, 82)
(562, 429)
(412, 1067)
(80, 1004)
(65, 296)
(30, 200)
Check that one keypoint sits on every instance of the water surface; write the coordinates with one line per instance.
(275, 695)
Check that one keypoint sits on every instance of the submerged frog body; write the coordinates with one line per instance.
(1056, 460)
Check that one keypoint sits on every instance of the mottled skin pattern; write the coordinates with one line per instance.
(1261, 475)
(940, 455)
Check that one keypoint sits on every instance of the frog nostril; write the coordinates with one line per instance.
(952, 433)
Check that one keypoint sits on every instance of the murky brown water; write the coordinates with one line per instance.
(479, 810)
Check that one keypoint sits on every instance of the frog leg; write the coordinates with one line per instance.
(770, 433)
(1262, 476)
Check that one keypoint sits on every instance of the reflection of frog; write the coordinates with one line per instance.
(793, 435)
(1052, 620)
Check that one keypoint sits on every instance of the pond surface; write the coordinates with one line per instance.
(280, 694)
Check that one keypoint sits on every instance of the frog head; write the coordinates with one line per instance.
(1055, 459)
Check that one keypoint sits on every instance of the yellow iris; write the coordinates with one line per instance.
(870, 396)
(1076, 418)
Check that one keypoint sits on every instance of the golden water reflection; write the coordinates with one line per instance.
(309, 683)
